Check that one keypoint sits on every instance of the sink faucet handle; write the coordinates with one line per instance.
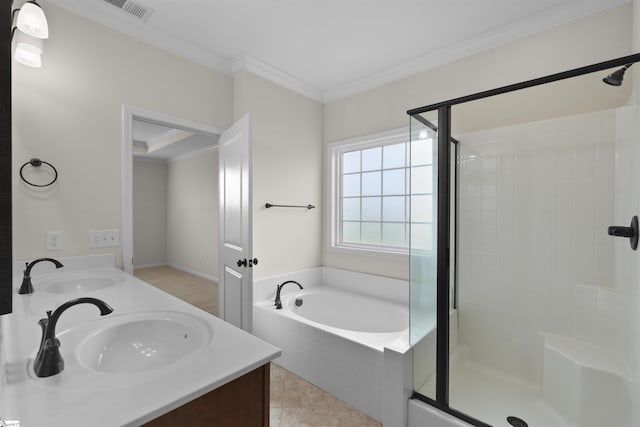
(49, 314)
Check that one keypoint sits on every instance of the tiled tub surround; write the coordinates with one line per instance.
(538, 298)
(348, 364)
(102, 399)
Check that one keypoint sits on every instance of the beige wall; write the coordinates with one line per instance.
(592, 39)
(287, 169)
(149, 213)
(192, 214)
(69, 113)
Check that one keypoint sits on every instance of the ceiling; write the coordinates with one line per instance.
(329, 49)
(163, 143)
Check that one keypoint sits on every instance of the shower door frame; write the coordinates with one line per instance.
(443, 244)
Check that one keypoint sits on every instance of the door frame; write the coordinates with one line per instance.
(129, 113)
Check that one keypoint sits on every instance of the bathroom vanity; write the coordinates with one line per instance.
(228, 405)
(186, 367)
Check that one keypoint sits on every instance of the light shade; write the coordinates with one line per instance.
(28, 50)
(31, 20)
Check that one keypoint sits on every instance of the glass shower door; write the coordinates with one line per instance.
(423, 259)
(547, 305)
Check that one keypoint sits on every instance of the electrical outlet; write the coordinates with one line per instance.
(104, 238)
(55, 239)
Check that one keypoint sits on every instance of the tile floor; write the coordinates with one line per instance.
(195, 290)
(298, 403)
(294, 401)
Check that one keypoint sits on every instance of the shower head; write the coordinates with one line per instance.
(615, 78)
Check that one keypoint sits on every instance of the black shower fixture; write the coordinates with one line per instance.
(615, 78)
(632, 232)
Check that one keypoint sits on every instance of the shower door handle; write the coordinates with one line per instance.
(632, 232)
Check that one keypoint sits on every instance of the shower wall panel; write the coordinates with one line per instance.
(534, 205)
(627, 262)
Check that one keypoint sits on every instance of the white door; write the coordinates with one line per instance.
(236, 258)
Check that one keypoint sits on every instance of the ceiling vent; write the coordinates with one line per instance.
(132, 8)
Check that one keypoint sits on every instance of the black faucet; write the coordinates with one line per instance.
(49, 361)
(278, 302)
(26, 287)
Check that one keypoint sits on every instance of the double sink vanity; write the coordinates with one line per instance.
(155, 359)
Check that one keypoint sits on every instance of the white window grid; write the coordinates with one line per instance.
(336, 151)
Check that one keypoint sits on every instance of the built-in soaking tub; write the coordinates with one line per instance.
(335, 340)
(369, 321)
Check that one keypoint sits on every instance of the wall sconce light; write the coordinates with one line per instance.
(28, 50)
(31, 20)
(31, 27)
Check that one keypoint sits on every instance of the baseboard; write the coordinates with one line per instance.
(195, 273)
(159, 264)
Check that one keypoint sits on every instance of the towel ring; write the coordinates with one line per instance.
(35, 162)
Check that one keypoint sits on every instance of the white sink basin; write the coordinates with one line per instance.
(82, 283)
(138, 342)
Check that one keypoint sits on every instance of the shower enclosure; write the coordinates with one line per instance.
(524, 310)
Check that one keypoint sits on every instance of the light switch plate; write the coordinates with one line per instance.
(104, 238)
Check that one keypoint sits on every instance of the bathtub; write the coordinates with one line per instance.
(368, 321)
(335, 340)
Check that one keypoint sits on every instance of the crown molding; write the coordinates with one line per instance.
(111, 17)
(530, 25)
(262, 69)
(549, 18)
(143, 157)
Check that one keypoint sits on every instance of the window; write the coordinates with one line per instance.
(370, 196)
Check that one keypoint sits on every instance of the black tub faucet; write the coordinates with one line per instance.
(49, 361)
(280, 286)
(27, 287)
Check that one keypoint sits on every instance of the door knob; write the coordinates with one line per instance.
(253, 262)
(631, 232)
(242, 262)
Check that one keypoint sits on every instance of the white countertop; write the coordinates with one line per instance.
(112, 399)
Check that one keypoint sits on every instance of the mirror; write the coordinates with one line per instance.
(5, 165)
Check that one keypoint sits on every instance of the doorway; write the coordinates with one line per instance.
(170, 226)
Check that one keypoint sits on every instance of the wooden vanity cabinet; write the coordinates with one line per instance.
(242, 402)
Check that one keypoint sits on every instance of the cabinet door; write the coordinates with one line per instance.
(242, 402)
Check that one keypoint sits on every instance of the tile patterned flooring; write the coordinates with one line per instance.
(195, 290)
(294, 401)
(298, 403)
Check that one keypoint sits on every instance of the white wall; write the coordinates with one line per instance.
(287, 169)
(535, 203)
(149, 213)
(69, 113)
(192, 214)
(627, 196)
(592, 39)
